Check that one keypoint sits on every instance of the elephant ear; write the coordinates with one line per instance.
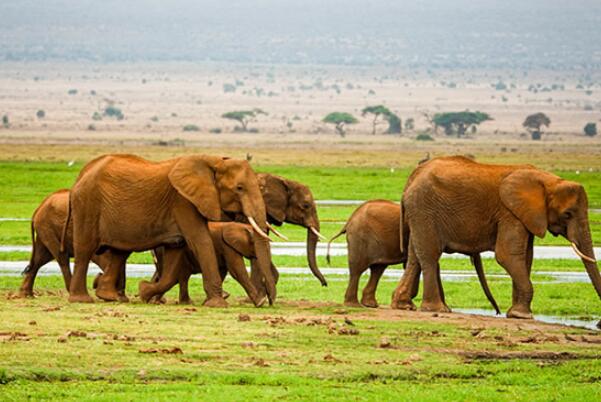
(194, 179)
(523, 193)
(239, 237)
(275, 194)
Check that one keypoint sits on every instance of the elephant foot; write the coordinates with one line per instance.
(215, 302)
(369, 302)
(352, 303)
(80, 298)
(435, 307)
(25, 294)
(185, 300)
(259, 301)
(520, 312)
(108, 294)
(123, 298)
(403, 305)
(146, 291)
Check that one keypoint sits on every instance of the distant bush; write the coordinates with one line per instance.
(227, 87)
(191, 127)
(72, 92)
(424, 137)
(215, 130)
(590, 130)
(154, 118)
(253, 130)
(91, 127)
(5, 121)
(92, 92)
(113, 111)
(40, 114)
(96, 116)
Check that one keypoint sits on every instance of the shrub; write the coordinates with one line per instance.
(253, 130)
(154, 118)
(229, 88)
(191, 127)
(424, 137)
(40, 114)
(113, 111)
(96, 116)
(590, 130)
(215, 130)
(5, 121)
(72, 92)
(91, 127)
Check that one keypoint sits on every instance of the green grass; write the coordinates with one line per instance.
(229, 359)
(23, 185)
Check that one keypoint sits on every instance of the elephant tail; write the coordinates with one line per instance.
(402, 240)
(477, 262)
(66, 226)
(33, 250)
(337, 235)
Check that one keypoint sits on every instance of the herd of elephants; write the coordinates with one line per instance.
(207, 214)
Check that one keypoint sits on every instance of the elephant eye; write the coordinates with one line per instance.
(567, 215)
(306, 205)
(239, 187)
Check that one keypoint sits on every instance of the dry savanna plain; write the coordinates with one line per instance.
(308, 345)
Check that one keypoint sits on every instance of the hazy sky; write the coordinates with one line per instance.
(508, 33)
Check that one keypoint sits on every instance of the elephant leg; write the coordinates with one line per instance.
(40, 256)
(113, 278)
(357, 265)
(513, 252)
(174, 262)
(275, 273)
(237, 268)
(63, 262)
(198, 239)
(184, 295)
(406, 290)
(369, 291)
(78, 292)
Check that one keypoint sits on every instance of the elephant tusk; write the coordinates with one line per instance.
(154, 257)
(278, 234)
(581, 254)
(322, 237)
(256, 227)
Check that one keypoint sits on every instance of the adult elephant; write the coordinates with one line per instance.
(127, 203)
(454, 204)
(288, 201)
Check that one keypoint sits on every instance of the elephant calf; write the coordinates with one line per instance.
(233, 242)
(46, 227)
(373, 236)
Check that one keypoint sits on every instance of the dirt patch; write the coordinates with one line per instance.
(537, 355)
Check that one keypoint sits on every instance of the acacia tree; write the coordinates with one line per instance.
(243, 116)
(459, 122)
(340, 119)
(534, 122)
(381, 113)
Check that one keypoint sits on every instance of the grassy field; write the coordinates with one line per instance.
(23, 185)
(306, 346)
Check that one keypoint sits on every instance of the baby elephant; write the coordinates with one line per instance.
(373, 238)
(233, 242)
(46, 229)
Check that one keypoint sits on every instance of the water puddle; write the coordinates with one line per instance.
(549, 319)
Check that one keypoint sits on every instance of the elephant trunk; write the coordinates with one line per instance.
(311, 255)
(581, 236)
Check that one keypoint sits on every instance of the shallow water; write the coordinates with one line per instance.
(549, 319)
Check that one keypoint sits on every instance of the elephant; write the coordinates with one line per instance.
(126, 203)
(454, 204)
(373, 236)
(292, 202)
(285, 201)
(46, 228)
(233, 241)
